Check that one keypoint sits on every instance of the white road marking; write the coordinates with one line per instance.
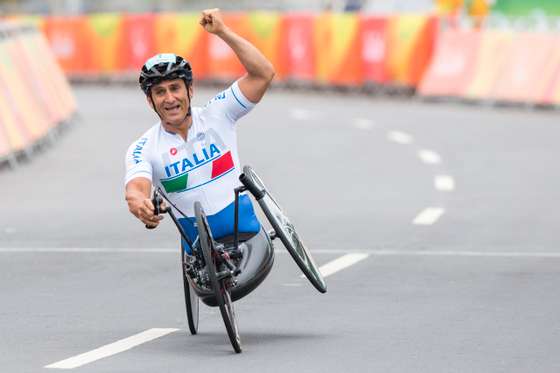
(341, 263)
(428, 216)
(428, 156)
(400, 137)
(363, 123)
(302, 114)
(111, 349)
(85, 250)
(444, 183)
(278, 251)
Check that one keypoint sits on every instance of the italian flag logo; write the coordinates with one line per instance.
(202, 175)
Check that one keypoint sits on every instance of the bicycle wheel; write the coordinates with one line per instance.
(284, 229)
(191, 299)
(220, 286)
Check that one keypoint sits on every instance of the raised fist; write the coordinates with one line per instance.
(211, 20)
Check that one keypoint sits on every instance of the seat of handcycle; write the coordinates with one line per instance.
(255, 264)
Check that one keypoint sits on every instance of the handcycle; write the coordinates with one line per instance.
(219, 272)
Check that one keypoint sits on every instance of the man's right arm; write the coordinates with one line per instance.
(137, 194)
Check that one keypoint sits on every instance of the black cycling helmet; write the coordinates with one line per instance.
(165, 66)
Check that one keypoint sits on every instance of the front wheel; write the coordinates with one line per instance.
(220, 286)
(283, 228)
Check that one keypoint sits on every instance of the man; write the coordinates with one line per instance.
(191, 153)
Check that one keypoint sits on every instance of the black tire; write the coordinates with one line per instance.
(220, 288)
(284, 229)
(191, 300)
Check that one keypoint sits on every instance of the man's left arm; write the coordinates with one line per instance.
(260, 71)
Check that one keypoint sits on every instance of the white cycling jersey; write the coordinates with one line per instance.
(203, 168)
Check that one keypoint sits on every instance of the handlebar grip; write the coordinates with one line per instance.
(251, 186)
(156, 201)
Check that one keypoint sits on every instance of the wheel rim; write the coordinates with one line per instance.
(191, 302)
(289, 237)
(219, 288)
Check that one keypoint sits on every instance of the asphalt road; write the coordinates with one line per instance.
(454, 207)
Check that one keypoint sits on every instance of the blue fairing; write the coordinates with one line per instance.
(221, 223)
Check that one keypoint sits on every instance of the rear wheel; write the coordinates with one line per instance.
(191, 300)
(220, 286)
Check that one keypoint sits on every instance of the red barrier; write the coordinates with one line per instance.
(374, 44)
(69, 42)
(527, 69)
(138, 41)
(296, 47)
(222, 61)
(452, 67)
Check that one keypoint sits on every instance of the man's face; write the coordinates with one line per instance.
(171, 101)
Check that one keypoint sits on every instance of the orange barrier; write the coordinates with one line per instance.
(332, 48)
(296, 47)
(16, 134)
(527, 69)
(551, 94)
(491, 58)
(104, 33)
(22, 99)
(495, 65)
(4, 144)
(264, 33)
(54, 78)
(452, 68)
(336, 42)
(181, 34)
(34, 94)
(410, 47)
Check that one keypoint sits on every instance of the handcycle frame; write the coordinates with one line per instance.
(216, 284)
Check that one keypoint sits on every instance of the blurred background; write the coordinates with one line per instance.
(504, 51)
(423, 133)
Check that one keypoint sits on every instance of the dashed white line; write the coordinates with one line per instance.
(444, 183)
(341, 263)
(302, 114)
(111, 349)
(428, 156)
(428, 216)
(400, 137)
(363, 123)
